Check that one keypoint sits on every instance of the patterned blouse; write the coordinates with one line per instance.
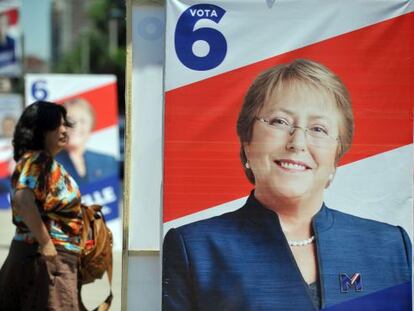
(57, 198)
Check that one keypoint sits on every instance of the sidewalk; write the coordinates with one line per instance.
(92, 294)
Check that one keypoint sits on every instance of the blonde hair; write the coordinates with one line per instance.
(300, 70)
(83, 104)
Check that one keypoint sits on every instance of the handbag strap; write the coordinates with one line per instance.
(105, 305)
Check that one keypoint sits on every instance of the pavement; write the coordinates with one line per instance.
(92, 294)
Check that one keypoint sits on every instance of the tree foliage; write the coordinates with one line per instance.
(91, 52)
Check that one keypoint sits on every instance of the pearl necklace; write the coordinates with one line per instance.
(301, 242)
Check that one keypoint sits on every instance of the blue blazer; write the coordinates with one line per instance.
(98, 166)
(242, 261)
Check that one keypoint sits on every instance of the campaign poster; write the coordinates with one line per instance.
(356, 253)
(11, 106)
(92, 154)
(10, 38)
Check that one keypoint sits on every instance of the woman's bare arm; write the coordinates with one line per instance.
(25, 206)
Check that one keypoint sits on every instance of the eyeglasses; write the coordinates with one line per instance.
(316, 135)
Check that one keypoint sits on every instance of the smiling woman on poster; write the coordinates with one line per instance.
(86, 166)
(285, 249)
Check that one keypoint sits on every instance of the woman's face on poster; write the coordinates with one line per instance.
(83, 123)
(294, 164)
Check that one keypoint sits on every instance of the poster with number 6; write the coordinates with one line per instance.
(288, 155)
(92, 154)
(10, 38)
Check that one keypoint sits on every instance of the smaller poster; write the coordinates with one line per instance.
(10, 39)
(92, 154)
(11, 106)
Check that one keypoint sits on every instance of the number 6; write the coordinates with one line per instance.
(186, 36)
(39, 91)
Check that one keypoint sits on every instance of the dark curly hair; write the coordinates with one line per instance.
(37, 119)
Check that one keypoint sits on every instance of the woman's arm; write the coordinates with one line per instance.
(25, 206)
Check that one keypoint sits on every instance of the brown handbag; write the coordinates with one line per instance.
(96, 255)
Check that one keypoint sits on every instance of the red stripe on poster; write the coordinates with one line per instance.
(4, 169)
(103, 99)
(202, 168)
(13, 15)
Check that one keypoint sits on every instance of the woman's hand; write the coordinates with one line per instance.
(48, 251)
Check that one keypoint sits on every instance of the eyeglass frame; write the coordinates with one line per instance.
(293, 127)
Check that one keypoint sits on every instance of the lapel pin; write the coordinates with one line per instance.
(347, 282)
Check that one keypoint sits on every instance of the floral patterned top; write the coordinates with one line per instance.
(57, 198)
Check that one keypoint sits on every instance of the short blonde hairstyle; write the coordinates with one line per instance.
(83, 104)
(300, 70)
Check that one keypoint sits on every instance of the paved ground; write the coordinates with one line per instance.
(92, 294)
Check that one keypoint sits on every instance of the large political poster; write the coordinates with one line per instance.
(215, 135)
(10, 38)
(92, 154)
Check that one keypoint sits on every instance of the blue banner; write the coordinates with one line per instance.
(396, 298)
